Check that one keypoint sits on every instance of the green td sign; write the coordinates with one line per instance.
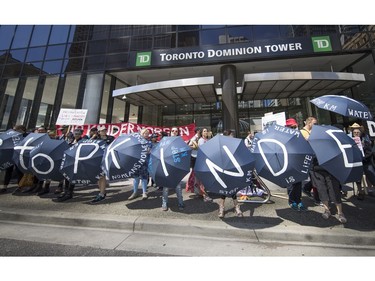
(321, 44)
(143, 59)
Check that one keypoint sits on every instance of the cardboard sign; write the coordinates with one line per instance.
(69, 116)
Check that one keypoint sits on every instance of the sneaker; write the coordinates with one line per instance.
(326, 214)
(301, 207)
(133, 196)
(181, 207)
(207, 198)
(164, 208)
(294, 206)
(318, 203)
(98, 198)
(144, 196)
(341, 218)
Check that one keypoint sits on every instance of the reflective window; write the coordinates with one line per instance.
(142, 30)
(95, 62)
(27, 100)
(296, 30)
(213, 37)
(239, 34)
(187, 27)
(76, 49)
(188, 39)
(59, 34)
(72, 65)
(141, 43)
(33, 68)
(322, 29)
(40, 35)
(71, 91)
(120, 31)
(12, 70)
(212, 26)
(119, 45)
(35, 54)
(52, 67)
(287, 31)
(96, 47)
(262, 32)
(55, 52)
(165, 41)
(48, 99)
(22, 36)
(19, 55)
(6, 35)
(105, 97)
(158, 29)
(99, 32)
(117, 61)
(7, 102)
(79, 33)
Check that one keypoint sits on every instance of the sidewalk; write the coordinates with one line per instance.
(271, 222)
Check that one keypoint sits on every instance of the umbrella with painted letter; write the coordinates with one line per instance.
(21, 156)
(124, 156)
(45, 159)
(81, 162)
(344, 106)
(282, 155)
(337, 153)
(224, 165)
(170, 161)
(8, 140)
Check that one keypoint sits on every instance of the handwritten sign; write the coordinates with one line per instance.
(69, 116)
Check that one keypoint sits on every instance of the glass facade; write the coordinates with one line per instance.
(44, 68)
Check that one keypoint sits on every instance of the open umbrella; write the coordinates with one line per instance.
(282, 155)
(81, 162)
(124, 156)
(337, 153)
(8, 140)
(344, 106)
(224, 165)
(170, 161)
(21, 156)
(45, 159)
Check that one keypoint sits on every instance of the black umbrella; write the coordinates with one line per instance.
(81, 162)
(344, 106)
(224, 165)
(337, 153)
(169, 161)
(124, 156)
(8, 140)
(21, 156)
(45, 159)
(282, 155)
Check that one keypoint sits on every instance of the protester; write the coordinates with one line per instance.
(181, 206)
(294, 190)
(249, 139)
(142, 173)
(102, 183)
(191, 185)
(154, 141)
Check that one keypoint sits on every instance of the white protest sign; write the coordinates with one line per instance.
(371, 128)
(69, 116)
(269, 119)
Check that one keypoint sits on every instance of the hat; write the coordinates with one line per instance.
(63, 127)
(100, 128)
(76, 131)
(356, 126)
(93, 129)
(154, 136)
(291, 122)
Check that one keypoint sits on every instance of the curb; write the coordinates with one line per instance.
(244, 232)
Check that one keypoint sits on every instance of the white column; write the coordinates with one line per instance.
(93, 97)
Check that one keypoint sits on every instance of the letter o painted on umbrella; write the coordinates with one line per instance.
(49, 160)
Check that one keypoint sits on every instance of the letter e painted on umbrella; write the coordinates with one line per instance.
(214, 168)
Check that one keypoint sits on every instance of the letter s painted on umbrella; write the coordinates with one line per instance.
(285, 153)
(77, 159)
(214, 168)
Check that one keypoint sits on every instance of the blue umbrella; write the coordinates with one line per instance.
(81, 162)
(21, 156)
(170, 161)
(224, 165)
(282, 155)
(45, 159)
(344, 106)
(337, 153)
(8, 140)
(124, 156)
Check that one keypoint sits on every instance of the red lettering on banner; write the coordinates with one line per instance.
(117, 129)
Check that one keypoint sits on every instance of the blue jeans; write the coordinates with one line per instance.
(178, 193)
(136, 184)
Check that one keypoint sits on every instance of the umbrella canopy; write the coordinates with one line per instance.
(21, 156)
(45, 159)
(81, 162)
(170, 161)
(344, 106)
(337, 153)
(124, 156)
(224, 165)
(8, 140)
(282, 155)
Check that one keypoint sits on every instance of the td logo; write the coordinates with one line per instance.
(321, 44)
(143, 59)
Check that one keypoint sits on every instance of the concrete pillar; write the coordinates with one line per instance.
(229, 98)
(93, 97)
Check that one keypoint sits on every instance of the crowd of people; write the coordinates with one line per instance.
(321, 185)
